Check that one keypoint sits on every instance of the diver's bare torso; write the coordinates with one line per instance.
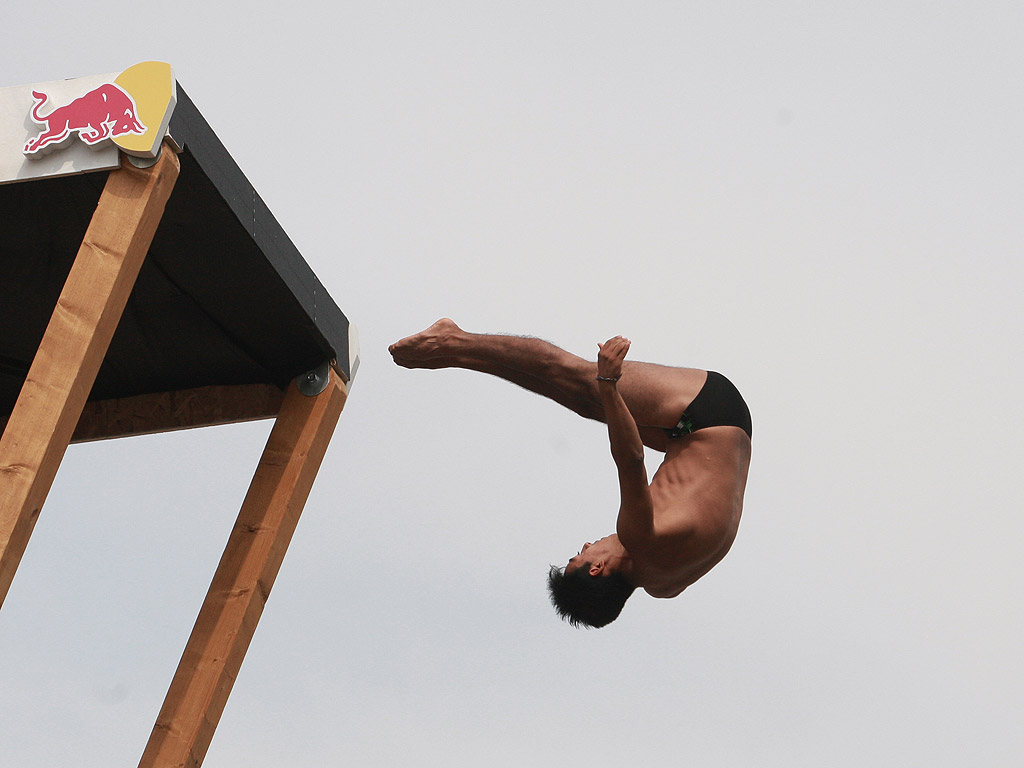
(698, 498)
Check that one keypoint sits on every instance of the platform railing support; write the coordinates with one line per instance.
(73, 347)
(244, 578)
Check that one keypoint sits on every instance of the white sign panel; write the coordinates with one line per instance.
(79, 125)
(68, 156)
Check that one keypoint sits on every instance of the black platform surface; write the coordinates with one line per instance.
(224, 297)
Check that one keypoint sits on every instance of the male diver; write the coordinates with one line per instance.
(669, 531)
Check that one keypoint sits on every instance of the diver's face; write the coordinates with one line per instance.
(591, 552)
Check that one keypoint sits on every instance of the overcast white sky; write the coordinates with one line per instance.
(822, 200)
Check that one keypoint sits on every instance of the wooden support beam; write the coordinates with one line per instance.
(73, 346)
(183, 409)
(244, 578)
(170, 411)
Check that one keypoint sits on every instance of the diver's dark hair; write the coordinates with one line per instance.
(585, 600)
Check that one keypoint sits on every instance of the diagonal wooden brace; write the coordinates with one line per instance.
(251, 560)
(73, 347)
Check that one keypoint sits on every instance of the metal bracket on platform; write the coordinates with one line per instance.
(143, 162)
(315, 381)
(147, 162)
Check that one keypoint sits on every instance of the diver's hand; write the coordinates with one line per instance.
(609, 359)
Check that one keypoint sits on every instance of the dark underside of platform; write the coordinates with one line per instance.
(223, 296)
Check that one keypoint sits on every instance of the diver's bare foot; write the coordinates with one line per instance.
(427, 349)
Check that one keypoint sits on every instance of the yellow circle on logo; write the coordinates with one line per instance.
(151, 86)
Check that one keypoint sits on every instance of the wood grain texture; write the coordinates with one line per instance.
(73, 346)
(244, 578)
(182, 409)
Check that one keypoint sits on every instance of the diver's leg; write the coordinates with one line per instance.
(656, 395)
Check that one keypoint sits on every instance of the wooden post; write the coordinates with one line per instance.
(74, 345)
(242, 583)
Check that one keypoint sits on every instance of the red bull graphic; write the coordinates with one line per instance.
(117, 115)
(102, 113)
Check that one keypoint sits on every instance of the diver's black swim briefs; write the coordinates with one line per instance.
(718, 404)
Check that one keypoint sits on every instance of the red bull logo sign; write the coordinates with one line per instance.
(84, 124)
(100, 114)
